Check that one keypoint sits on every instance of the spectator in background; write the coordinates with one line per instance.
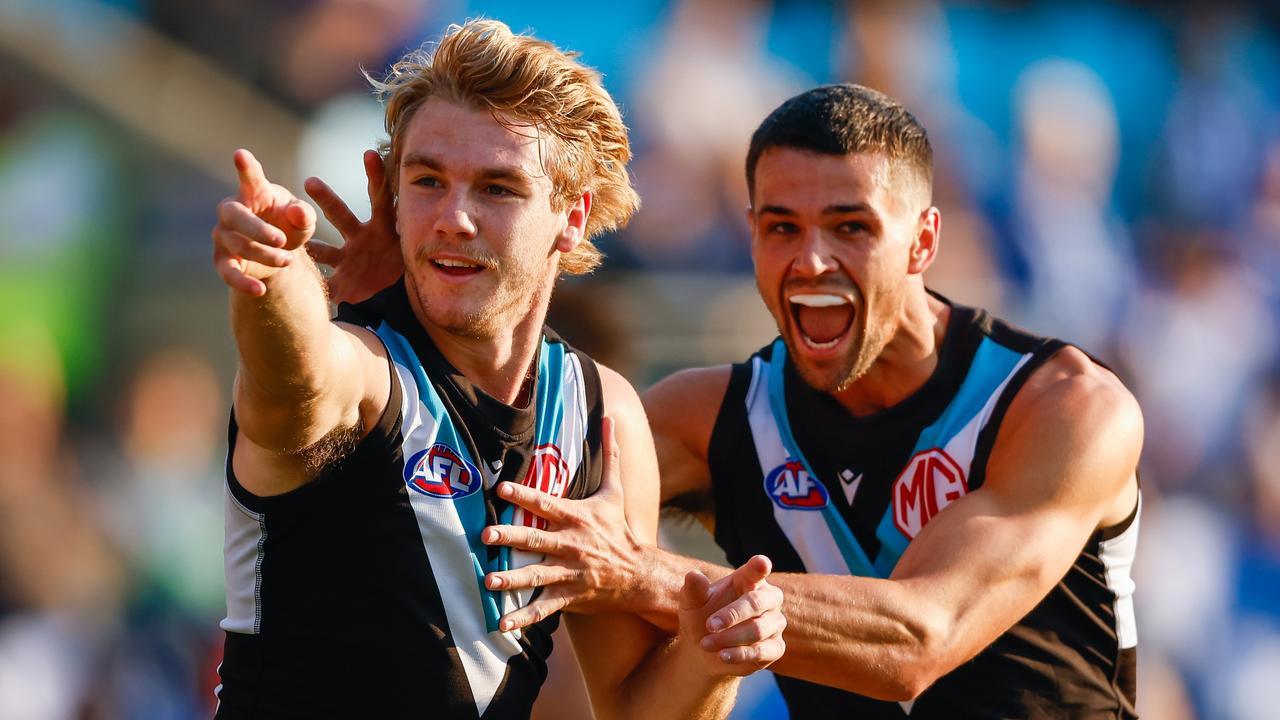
(1080, 263)
(699, 101)
(60, 583)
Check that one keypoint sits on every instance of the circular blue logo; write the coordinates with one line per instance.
(791, 487)
(440, 471)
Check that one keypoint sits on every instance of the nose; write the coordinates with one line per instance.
(814, 257)
(454, 218)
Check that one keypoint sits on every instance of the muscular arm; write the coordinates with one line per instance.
(301, 378)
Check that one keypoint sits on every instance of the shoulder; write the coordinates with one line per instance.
(689, 399)
(1070, 389)
(637, 462)
(1073, 431)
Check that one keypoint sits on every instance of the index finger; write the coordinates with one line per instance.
(253, 181)
(544, 505)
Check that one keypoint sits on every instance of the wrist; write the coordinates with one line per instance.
(702, 664)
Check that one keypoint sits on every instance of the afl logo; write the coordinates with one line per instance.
(791, 487)
(439, 471)
(930, 482)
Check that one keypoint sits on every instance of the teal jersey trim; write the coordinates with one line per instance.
(992, 365)
(850, 550)
(551, 359)
(471, 508)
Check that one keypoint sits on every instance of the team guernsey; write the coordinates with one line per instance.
(797, 478)
(360, 594)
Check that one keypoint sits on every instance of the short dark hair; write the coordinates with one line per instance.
(843, 120)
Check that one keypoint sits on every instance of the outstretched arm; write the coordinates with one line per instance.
(301, 377)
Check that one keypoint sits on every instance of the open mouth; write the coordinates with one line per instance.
(457, 267)
(823, 319)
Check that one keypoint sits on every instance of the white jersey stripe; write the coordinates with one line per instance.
(246, 536)
(483, 654)
(806, 531)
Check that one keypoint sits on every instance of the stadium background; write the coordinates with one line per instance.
(1109, 173)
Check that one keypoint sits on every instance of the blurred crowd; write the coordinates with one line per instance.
(1108, 173)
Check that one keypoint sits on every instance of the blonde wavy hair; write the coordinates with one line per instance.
(524, 81)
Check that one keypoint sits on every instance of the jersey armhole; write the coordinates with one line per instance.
(987, 436)
(591, 472)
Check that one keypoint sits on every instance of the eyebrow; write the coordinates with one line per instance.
(828, 210)
(510, 173)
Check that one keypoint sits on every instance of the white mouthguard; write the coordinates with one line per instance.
(818, 300)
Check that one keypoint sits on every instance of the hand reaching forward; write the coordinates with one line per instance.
(258, 229)
(369, 259)
(589, 547)
(736, 621)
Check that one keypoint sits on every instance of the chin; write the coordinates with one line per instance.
(830, 374)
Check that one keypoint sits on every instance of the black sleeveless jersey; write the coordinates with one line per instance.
(797, 478)
(360, 593)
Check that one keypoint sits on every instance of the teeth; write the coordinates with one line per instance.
(456, 263)
(821, 345)
(818, 300)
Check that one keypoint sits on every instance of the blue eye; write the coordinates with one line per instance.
(427, 181)
(497, 190)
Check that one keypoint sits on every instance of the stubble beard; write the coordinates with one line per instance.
(516, 293)
(868, 341)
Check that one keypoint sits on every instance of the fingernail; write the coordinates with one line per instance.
(715, 624)
(706, 643)
(495, 582)
(490, 536)
(724, 655)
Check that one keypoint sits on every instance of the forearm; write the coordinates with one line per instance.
(283, 336)
(673, 682)
(291, 362)
(864, 635)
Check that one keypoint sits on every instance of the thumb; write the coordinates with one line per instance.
(300, 223)
(751, 573)
(610, 480)
(695, 592)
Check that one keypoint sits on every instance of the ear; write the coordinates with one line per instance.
(925, 246)
(750, 214)
(575, 227)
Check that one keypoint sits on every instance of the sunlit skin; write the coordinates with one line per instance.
(480, 237)
(849, 233)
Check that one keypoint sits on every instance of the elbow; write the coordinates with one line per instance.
(907, 683)
(918, 661)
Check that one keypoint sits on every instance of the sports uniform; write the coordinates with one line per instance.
(360, 594)
(796, 477)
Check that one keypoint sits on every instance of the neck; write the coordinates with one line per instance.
(907, 361)
(498, 365)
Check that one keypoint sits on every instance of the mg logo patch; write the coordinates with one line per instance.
(439, 471)
(930, 482)
(549, 473)
(791, 487)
